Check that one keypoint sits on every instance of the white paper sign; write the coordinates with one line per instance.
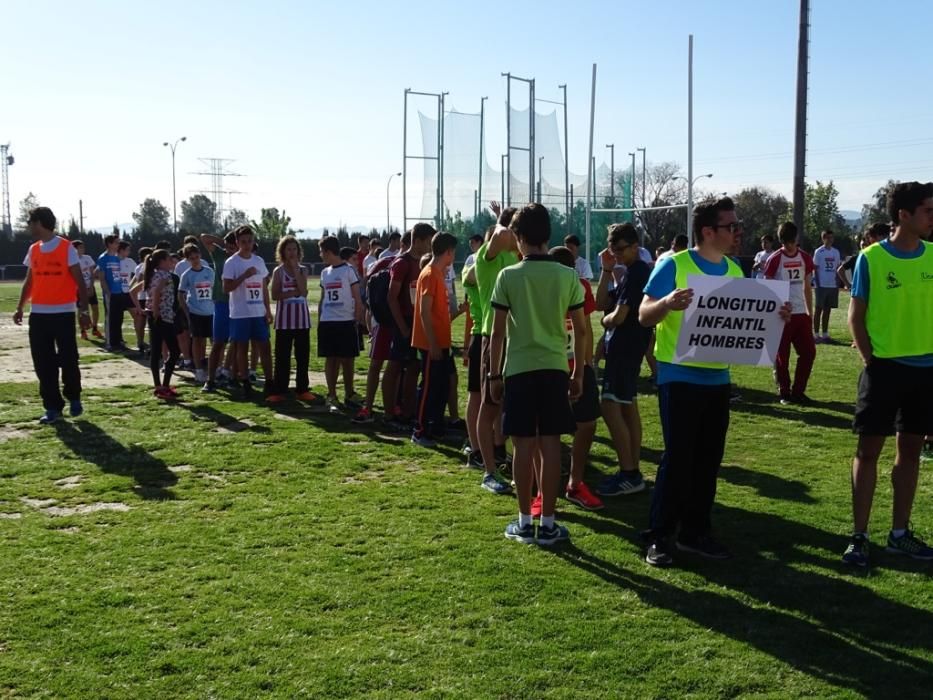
(732, 320)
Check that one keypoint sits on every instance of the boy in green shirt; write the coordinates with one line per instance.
(530, 303)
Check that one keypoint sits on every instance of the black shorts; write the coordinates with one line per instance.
(826, 297)
(620, 380)
(181, 323)
(337, 339)
(202, 326)
(91, 298)
(536, 403)
(474, 382)
(401, 350)
(485, 369)
(586, 409)
(894, 397)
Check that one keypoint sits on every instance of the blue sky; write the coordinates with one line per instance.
(307, 96)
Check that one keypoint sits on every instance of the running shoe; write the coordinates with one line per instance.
(173, 391)
(332, 405)
(525, 535)
(659, 553)
(75, 408)
(247, 389)
(162, 393)
(310, 397)
(208, 388)
(817, 340)
(200, 375)
(363, 417)
(475, 460)
(910, 545)
(704, 545)
(96, 333)
(493, 484)
(801, 399)
(457, 424)
(275, 398)
(253, 377)
(856, 553)
(548, 536)
(536, 506)
(49, 417)
(785, 400)
(582, 496)
(83, 335)
(355, 399)
(422, 440)
(621, 484)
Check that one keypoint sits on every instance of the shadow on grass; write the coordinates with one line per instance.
(206, 412)
(830, 627)
(764, 403)
(152, 476)
(767, 485)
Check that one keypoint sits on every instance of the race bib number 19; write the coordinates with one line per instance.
(254, 292)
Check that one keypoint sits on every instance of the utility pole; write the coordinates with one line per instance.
(631, 185)
(81, 216)
(482, 159)
(644, 177)
(800, 127)
(6, 160)
(612, 172)
(173, 146)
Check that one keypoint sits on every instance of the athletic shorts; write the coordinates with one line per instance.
(536, 403)
(181, 323)
(474, 376)
(243, 330)
(337, 339)
(380, 346)
(894, 397)
(620, 380)
(221, 330)
(91, 298)
(827, 297)
(202, 326)
(485, 369)
(402, 351)
(586, 409)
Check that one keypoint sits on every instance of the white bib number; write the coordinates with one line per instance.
(203, 292)
(253, 292)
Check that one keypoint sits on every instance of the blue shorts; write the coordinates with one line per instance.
(221, 321)
(246, 329)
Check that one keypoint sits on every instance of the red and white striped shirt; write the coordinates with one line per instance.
(291, 313)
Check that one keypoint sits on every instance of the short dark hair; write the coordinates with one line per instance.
(406, 239)
(563, 255)
(622, 232)
(347, 252)
(879, 231)
(144, 253)
(163, 245)
(123, 245)
(827, 232)
(422, 232)
(768, 237)
(707, 214)
(787, 232)
(44, 217)
(230, 238)
(505, 216)
(476, 237)
(190, 239)
(395, 235)
(680, 241)
(532, 224)
(190, 249)
(330, 244)
(442, 242)
(907, 196)
(572, 240)
(78, 244)
(242, 230)
(363, 237)
(110, 239)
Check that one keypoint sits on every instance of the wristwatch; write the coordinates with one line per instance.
(494, 377)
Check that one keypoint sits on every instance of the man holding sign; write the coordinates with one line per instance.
(694, 393)
(244, 278)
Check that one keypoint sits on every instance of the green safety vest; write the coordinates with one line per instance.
(668, 330)
(899, 316)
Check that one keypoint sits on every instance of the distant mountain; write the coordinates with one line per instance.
(853, 218)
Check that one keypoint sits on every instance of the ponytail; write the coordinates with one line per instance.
(152, 261)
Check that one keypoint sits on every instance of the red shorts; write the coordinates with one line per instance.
(380, 345)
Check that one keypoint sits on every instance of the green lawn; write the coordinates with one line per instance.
(249, 551)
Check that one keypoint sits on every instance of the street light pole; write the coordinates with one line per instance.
(612, 172)
(540, 177)
(389, 182)
(173, 146)
(631, 184)
(644, 178)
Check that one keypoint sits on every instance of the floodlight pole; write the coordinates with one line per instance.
(593, 186)
(690, 240)
(644, 179)
(502, 174)
(482, 160)
(540, 170)
(388, 220)
(612, 172)
(567, 196)
(631, 188)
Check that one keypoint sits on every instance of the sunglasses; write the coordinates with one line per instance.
(734, 227)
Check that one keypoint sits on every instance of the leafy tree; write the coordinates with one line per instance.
(152, 220)
(236, 217)
(876, 211)
(73, 230)
(762, 211)
(272, 225)
(198, 215)
(26, 205)
(821, 212)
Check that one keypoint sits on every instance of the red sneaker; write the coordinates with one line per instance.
(536, 506)
(582, 496)
(162, 393)
(275, 398)
(97, 334)
(83, 335)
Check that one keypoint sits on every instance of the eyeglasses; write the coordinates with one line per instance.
(622, 248)
(733, 227)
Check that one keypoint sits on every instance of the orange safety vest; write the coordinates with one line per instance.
(52, 281)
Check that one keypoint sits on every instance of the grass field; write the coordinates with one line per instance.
(238, 551)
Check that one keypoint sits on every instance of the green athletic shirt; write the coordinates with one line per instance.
(219, 257)
(472, 295)
(538, 293)
(486, 273)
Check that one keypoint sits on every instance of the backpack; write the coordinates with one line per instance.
(377, 293)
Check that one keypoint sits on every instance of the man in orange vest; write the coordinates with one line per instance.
(53, 282)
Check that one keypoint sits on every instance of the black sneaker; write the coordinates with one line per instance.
(475, 460)
(801, 399)
(247, 390)
(208, 388)
(547, 536)
(659, 553)
(704, 545)
(856, 553)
